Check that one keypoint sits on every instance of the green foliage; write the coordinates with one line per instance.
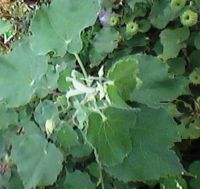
(99, 94)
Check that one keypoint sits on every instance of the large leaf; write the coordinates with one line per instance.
(58, 27)
(151, 158)
(20, 74)
(46, 110)
(38, 162)
(156, 85)
(110, 136)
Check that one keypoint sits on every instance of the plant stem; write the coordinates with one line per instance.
(101, 177)
(81, 65)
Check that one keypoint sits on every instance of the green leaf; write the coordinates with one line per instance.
(78, 180)
(4, 26)
(66, 137)
(173, 40)
(151, 158)
(195, 170)
(94, 169)
(110, 137)
(156, 84)
(7, 117)
(101, 47)
(20, 74)
(46, 110)
(38, 162)
(58, 27)
(177, 66)
(161, 14)
(125, 80)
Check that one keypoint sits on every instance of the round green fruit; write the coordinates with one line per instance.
(132, 28)
(114, 20)
(177, 5)
(195, 76)
(189, 18)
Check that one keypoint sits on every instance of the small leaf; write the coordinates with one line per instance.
(33, 156)
(78, 180)
(173, 41)
(46, 110)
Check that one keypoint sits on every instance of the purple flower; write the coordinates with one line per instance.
(104, 17)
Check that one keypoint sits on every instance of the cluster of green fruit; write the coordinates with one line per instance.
(188, 18)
